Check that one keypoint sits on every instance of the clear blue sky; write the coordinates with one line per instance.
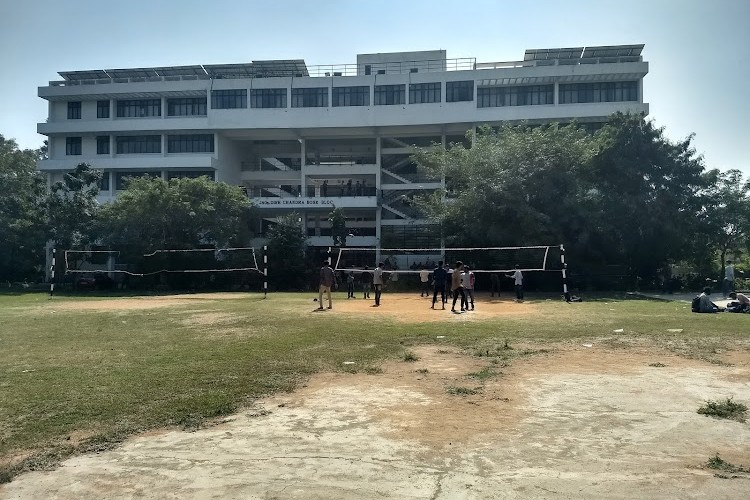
(698, 50)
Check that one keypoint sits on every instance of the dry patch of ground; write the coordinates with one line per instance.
(410, 308)
(567, 422)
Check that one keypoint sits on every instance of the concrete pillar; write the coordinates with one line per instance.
(556, 94)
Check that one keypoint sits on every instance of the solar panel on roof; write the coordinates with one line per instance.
(614, 51)
(561, 53)
(180, 71)
(132, 73)
(83, 75)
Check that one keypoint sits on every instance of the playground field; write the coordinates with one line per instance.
(230, 395)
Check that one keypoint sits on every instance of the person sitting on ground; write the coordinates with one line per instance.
(704, 303)
(740, 303)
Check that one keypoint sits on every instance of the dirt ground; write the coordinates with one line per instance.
(567, 422)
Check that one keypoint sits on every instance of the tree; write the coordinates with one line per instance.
(153, 214)
(641, 192)
(515, 185)
(726, 215)
(286, 246)
(71, 207)
(338, 227)
(21, 213)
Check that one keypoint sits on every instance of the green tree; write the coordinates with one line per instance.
(726, 215)
(287, 246)
(71, 207)
(641, 192)
(153, 214)
(338, 227)
(515, 185)
(21, 213)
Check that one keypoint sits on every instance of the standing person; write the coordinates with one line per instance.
(324, 189)
(377, 282)
(456, 287)
(366, 282)
(349, 187)
(439, 278)
(728, 283)
(468, 282)
(327, 280)
(494, 284)
(424, 278)
(518, 277)
(358, 189)
(448, 275)
(350, 285)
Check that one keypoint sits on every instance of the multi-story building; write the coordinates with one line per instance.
(307, 138)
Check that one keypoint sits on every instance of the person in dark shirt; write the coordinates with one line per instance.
(439, 278)
(327, 281)
(366, 279)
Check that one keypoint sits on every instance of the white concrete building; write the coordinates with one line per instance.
(308, 138)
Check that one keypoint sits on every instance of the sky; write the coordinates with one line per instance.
(698, 50)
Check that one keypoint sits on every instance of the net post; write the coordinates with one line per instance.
(265, 271)
(330, 261)
(566, 293)
(52, 273)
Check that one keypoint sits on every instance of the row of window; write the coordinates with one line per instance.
(144, 108)
(598, 92)
(138, 144)
(460, 91)
(317, 97)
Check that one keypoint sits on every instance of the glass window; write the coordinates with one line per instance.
(351, 96)
(459, 91)
(190, 174)
(102, 109)
(72, 146)
(310, 98)
(268, 98)
(186, 106)
(121, 178)
(528, 95)
(138, 108)
(228, 99)
(424, 92)
(390, 94)
(598, 92)
(102, 144)
(104, 182)
(137, 144)
(74, 110)
(190, 143)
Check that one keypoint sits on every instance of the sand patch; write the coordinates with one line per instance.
(572, 422)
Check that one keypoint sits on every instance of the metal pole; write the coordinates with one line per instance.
(566, 293)
(265, 271)
(52, 274)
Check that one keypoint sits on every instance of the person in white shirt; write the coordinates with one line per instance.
(518, 277)
(467, 279)
(424, 278)
(377, 282)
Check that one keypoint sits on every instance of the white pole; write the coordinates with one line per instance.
(265, 271)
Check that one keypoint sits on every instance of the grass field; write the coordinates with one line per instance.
(81, 373)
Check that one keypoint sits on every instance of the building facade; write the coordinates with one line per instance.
(306, 139)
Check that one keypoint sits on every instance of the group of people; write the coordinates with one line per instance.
(371, 280)
(462, 282)
(348, 189)
(739, 302)
(461, 279)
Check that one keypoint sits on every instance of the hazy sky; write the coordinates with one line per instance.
(698, 51)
